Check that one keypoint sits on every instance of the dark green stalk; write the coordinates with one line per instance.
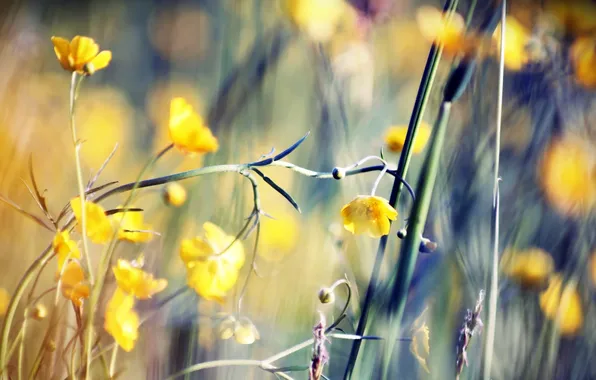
(424, 89)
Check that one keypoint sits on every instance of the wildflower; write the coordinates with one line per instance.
(65, 248)
(188, 130)
(446, 30)
(99, 227)
(174, 194)
(81, 55)
(517, 39)
(583, 58)
(4, 301)
(530, 268)
(243, 330)
(395, 137)
(121, 321)
(39, 312)
(73, 283)
(368, 214)
(212, 262)
(564, 306)
(326, 295)
(136, 281)
(279, 236)
(568, 175)
(132, 226)
(318, 19)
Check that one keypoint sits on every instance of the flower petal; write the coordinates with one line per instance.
(101, 61)
(82, 50)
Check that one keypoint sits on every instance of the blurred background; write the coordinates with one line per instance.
(261, 77)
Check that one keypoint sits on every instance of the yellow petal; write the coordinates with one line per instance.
(73, 284)
(101, 61)
(563, 306)
(136, 281)
(62, 50)
(82, 50)
(395, 137)
(99, 226)
(368, 214)
(121, 321)
(436, 27)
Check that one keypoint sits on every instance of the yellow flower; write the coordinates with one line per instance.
(73, 283)
(121, 321)
(174, 194)
(395, 137)
(368, 214)
(517, 38)
(243, 330)
(136, 281)
(132, 227)
(188, 130)
(436, 27)
(564, 307)
(279, 236)
(212, 279)
(317, 18)
(99, 227)
(81, 55)
(4, 301)
(64, 248)
(583, 58)
(568, 175)
(531, 267)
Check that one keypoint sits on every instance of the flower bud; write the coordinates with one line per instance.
(338, 173)
(326, 295)
(39, 312)
(427, 246)
(402, 233)
(174, 194)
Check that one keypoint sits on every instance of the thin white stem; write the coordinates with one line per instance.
(378, 180)
(494, 283)
(113, 361)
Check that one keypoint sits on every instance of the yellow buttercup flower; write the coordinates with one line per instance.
(174, 194)
(436, 27)
(81, 55)
(4, 301)
(583, 58)
(132, 226)
(368, 214)
(517, 38)
(99, 227)
(531, 267)
(73, 283)
(319, 19)
(212, 279)
(188, 130)
(395, 137)
(136, 281)
(243, 330)
(568, 175)
(564, 306)
(65, 248)
(121, 321)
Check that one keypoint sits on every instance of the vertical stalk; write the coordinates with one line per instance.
(409, 252)
(426, 84)
(494, 283)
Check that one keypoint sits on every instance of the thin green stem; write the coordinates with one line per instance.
(22, 346)
(113, 361)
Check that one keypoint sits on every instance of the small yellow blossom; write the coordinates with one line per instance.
(583, 58)
(565, 306)
(4, 301)
(243, 330)
(81, 55)
(174, 194)
(215, 245)
(99, 227)
(517, 38)
(436, 27)
(65, 248)
(212, 279)
(531, 267)
(368, 214)
(73, 283)
(188, 130)
(121, 321)
(318, 19)
(132, 226)
(568, 175)
(395, 137)
(136, 281)
(39, 312)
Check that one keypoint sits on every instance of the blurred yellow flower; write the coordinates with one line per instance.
(73, 283)
(4, 301)
(319, 19)
(575, 17)
(568, 175)
(436, 27)
(65, 248)
(530, 268)
(279, 236)
(395, 137)
(81, 55)
(121, 321)
(99, 227)
(243, 330)
(188, 130)
(213, 262)
(565, 306)
(136, 281)
(132, 226)
(583, 58)
(174, 194)
(368, 214)
(517, 38)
